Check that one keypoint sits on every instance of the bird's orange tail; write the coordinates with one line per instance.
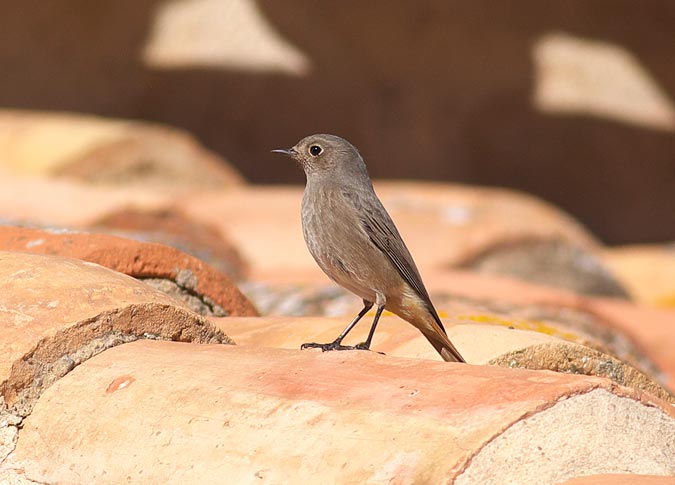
(442, 344)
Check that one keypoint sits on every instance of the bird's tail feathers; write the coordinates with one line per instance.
(442, 344)
(421, 313)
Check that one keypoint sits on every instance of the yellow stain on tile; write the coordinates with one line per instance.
(667, 301)
(520, 324)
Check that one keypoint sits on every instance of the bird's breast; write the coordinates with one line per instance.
(336, 239)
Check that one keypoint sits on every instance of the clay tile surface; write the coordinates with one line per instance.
(648, 271)
(101, 150)
(204, 289)
(56, 312)
(138, 212)
(169, 226)
(555, 263)
(66, 203)
(488, 343)
(243, 414)
(621, 479)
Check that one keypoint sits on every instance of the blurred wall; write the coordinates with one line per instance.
(484, 92)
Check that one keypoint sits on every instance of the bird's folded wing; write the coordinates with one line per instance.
(383, 233)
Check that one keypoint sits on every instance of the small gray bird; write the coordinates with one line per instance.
(352, 238)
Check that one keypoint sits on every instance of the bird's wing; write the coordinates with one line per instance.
(383, 234)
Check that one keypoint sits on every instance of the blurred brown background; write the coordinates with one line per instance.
(570, 100)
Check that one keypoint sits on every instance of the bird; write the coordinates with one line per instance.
(354, 241)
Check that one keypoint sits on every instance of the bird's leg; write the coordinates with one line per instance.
(366, 345)
(337, 343)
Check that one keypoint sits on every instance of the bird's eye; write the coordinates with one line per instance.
(314, 150)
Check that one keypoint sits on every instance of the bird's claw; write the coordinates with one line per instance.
(335, 346)
(326, 347)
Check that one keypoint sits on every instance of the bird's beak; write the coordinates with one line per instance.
(289, 152)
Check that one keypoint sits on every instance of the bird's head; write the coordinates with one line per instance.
(325, 154)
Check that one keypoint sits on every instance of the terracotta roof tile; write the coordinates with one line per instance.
(621, 479)
(489, 343)
(199, 413)
(101, 150)
(169, 226)
(56, 312)
(648, 271)
(206, 290)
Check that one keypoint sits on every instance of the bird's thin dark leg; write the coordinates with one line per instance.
(337, 343)
(366, 345)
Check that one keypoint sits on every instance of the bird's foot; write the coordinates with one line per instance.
(335, 346)
(327, 347)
